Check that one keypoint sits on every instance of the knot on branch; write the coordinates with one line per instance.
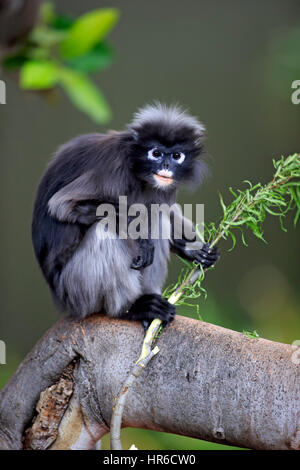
(50, 410)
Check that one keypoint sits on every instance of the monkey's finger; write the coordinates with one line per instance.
(208, 258)
(206, 248)
(205, 262)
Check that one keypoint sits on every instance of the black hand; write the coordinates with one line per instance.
(145, 254)
(206, 256)
(150, 306)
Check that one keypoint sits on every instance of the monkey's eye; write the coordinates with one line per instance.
(154, 153)
(178, 156)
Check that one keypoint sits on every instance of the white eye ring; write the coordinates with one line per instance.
(153, 157)
(180, 159)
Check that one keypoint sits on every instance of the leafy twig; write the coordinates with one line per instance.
(247, 210)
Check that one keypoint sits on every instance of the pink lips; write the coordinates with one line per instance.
(163, 180)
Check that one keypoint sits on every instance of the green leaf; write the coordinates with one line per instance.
(61, 22)
(296, 218)
(38, 75)
(233, 237)
(97, 59)
(47, 37)
(253, 335)
(223, 205)
(47, 12)
(184, 261)
(85, 95)
(15, 61)
(87, 31)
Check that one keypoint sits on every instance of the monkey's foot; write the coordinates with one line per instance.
(150, 306)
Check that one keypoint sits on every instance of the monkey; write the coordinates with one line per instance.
(159, 151)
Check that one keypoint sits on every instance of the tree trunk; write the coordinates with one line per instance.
(207, 382)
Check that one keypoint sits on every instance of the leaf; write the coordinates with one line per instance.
(38, 75)
(233, 237)
(47, 37)
(15, 61)
(243, 238)
(184, 261)
(223, 205)
(61, 22)
(296, 218)
(47, 12)
(253, 335)
(87, 31)
(97, 59)
(232, 191)
(85, 95)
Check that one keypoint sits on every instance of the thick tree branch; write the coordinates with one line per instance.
(207, 382)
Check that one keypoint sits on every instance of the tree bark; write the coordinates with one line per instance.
(207, 382)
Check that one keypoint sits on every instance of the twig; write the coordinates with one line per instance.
(145, 357)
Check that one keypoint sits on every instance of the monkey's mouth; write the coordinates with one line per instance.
(163, 180)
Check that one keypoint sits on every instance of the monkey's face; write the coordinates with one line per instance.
(165, 167)
(167, 142)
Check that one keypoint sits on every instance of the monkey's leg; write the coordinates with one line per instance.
(153, 278)
(98, 277)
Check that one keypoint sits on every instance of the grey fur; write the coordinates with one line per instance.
(174, 116)
(98, 276)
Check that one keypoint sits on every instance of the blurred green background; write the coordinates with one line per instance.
(231, 64)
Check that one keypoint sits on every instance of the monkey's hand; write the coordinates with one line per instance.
(205, 256)
(145, 254)
(150, 306)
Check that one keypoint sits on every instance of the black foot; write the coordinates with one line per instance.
(150, 306)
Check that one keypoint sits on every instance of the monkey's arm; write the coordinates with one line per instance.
(77, 202)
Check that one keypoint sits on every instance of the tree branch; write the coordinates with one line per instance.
(207, 382)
